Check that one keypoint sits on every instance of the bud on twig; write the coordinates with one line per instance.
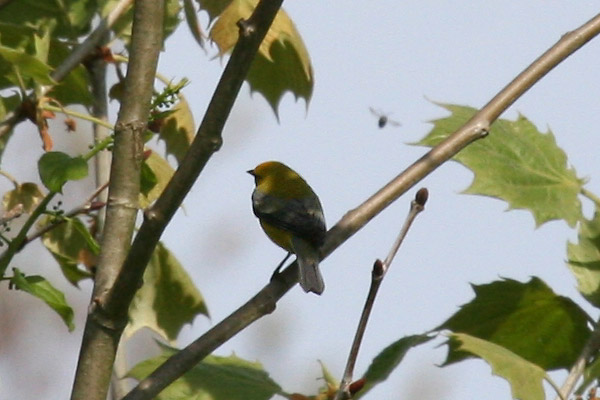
(421, 196)
(378, 269)
(357, 385)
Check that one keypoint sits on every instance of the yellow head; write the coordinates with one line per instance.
(279, 180)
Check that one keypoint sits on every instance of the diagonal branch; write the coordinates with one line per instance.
(95, 39)
(208, 140)
(476, 128)
(264, 302)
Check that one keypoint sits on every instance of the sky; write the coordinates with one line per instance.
(398, 57)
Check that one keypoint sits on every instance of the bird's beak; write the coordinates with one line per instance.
(251, 172)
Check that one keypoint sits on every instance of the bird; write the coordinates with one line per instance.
(383, 119)
(291, 215)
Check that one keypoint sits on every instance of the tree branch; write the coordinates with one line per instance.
(103, 329)
(207, 141)
(379, 271)
(97, 70)
(87, 207)
(16, 243)
(589, 350)
(476, 128)
(264, 302)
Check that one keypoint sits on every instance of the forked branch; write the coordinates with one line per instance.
(265, 300)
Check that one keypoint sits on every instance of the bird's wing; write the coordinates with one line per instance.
(302, 217)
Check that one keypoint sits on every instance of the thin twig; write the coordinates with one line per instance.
(593, 197)
(265, 300)
(379, 270)
(11, 178)
(83, 116)
(16, 244)
(98, 194)
(95, 39)
(589, 350)
(416, 206)
(556, 388)
(97, 69)
(99, 110)
(88, 206)
(10, 120)
(11, 214)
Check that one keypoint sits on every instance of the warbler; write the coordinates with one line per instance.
(291, 215)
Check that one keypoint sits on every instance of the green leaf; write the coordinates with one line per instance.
(328, 377)
(178, 129)
(214, 8)
(584, 259)
(215, 377)
(70, 269)
(528, 319)
(42, 46)
(282, 63)
(147, 179)
(116, 91)
(285, 70)
(27, 65)
(7, 103)
(327, 390)
(122, 27)
(172, 18)
(56, 168)
(168, 299)
(71, 244)
(90, 243)
(192, 21)
(382, 366)
(43, 290)
(72, 17)
(162, 172)
(525, 378)
(27, 194)
(518, 164)
(73, 89)
(17, 36)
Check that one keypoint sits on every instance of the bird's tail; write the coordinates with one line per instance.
(308, 265)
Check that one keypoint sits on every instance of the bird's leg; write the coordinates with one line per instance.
(278, 269)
